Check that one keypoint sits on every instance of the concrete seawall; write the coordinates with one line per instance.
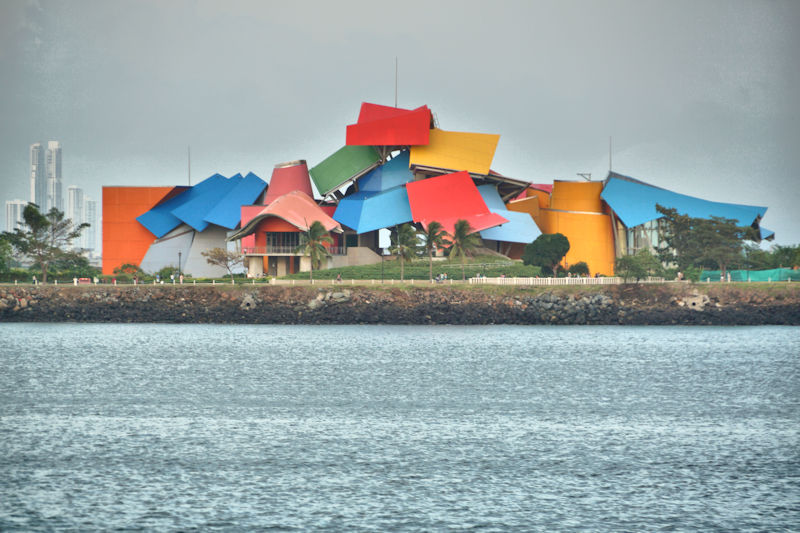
(625, 304)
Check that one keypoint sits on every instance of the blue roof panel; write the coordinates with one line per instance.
(204, 200)
(364, 212)
(520, 226)
(228, 210)
(348, 212)
(634, 202)
(159, 220)
(491, 197)
(389, 175)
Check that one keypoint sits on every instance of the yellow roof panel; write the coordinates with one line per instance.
(456, 150)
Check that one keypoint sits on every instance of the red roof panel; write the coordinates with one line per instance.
(288, 177)
(390, 126)
(449, 198)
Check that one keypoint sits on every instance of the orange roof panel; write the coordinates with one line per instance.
(456, 150)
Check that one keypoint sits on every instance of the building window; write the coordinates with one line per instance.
(282, 241)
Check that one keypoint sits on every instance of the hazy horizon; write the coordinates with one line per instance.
(699, 97)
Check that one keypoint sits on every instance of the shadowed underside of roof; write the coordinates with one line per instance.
(634, 203)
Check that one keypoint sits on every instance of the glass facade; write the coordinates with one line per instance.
(282, 241)
(644, 236)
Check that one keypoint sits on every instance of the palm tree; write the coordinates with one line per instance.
(463, 242)
(435, 237)
(404, 244)
(312, 244)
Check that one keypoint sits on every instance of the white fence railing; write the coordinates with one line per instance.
(387, 281)
(558, 281)
(545, 281)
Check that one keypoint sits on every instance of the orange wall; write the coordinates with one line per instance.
(124, 239)
(542, 196)
(577, 196)
(589, 235)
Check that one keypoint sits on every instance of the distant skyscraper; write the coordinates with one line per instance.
(38, 176)
(90, 233)
(53, 163)
(75, 210)
(14, 210)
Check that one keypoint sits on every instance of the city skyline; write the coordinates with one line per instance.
(697, 97)
(46, 191)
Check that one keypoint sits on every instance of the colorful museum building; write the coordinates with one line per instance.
(397, 166)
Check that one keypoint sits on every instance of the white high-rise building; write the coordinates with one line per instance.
(75, 210)
(14, 210)
(38, 176)
(90, 233)
(53, 166)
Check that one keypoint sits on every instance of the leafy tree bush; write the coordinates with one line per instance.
(6, 256)
(692, 241)
(223, 258)
(129, 269)
(166, 272)
(638, 266)
(546, 251)
(44, 238)
(579, 269)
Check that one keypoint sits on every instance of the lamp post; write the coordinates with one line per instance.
(179, 263)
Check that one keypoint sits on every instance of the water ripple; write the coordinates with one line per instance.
(163, 427)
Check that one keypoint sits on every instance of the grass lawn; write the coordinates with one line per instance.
(490, 266)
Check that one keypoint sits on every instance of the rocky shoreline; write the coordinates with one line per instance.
(626, 304)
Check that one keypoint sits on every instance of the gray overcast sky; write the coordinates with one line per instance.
(701, 97)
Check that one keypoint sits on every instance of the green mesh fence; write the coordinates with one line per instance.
(775, 274)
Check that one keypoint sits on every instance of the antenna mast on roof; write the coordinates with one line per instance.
(395, 81)
(189, 154)
(609, 153)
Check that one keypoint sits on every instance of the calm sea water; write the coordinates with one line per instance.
(174, 427)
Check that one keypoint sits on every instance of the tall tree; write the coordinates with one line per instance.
(44, 238)
(435, 237)
(463, 242)
(675, 233)
(786, 256)
(312, 244)
(722, 241)
(546, 251)
(223, 258)
(689, 241)
(5, 254)
(404, 243)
